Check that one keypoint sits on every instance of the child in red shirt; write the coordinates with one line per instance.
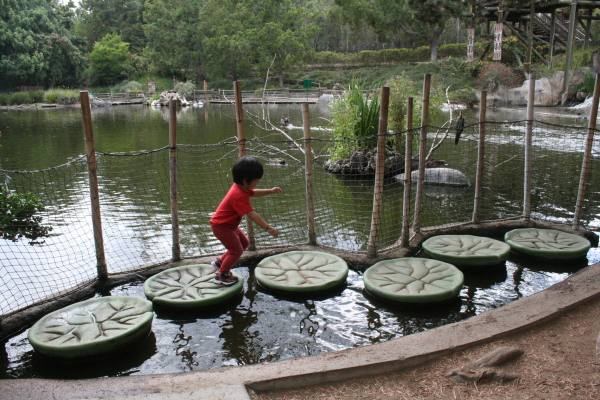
(247, 172)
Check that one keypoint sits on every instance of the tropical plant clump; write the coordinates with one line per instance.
(18, 217)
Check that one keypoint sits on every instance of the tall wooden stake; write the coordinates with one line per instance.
(90, 153)
(480, 157)
(422, 153)
(528, 139)
(175, 247)
(405, 234)
(239, 117)
(587, 155)
(310, 207)
(379, 172)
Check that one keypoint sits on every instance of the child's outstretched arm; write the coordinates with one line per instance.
(264, 192)
(258, 220)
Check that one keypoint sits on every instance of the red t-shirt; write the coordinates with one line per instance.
(233, 207)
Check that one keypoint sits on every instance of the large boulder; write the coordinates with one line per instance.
(167, 96)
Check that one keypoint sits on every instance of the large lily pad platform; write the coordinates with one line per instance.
(301, 271)
(413, 280)
(190, 286)
(467, 250)
(92, 327)
(547, 244)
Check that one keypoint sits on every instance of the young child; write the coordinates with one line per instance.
(247, 171)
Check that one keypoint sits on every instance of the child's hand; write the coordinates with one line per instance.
(272, 231)
(276, 190)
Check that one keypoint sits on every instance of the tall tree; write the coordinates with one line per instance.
(109, 61)
(422, 19)
(123, 17)
(36, 46)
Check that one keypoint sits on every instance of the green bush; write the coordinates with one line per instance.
(61, 96)
(132, 87)
(588, 84)
(20, 98)
(186, 89)
(4, 99)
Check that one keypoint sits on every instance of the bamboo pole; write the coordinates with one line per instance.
(379, 172)
(422, 153)
(587, 155)
(308, 166)
(239, 117)
(90, 153)
(404, 235)
(480, 157)
(175, 247)
(528, 137)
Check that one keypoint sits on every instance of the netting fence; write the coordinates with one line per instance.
(134, 193)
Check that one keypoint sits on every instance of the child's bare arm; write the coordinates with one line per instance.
(258, 220)
(264, 192)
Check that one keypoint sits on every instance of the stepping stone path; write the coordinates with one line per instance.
(301, 271)
(467, 250)
(547, 244)
(190, 286)
(97, 326)
(413, 280)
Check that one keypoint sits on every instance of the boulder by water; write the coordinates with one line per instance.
(169, 95)
(439, 176)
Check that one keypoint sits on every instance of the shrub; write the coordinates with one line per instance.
(588, 84)
(493, 75)
(132, 87)
(4, 99)
(61, 96)
(186, 89)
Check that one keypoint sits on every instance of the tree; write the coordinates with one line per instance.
(423, 19)
(36, 46)
(174, 45)
(110, 60)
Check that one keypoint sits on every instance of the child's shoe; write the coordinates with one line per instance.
(216, 264)
(225, 278)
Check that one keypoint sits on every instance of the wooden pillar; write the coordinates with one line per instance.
(405, 234)
(570, 45)
(480, 158)
(379, 173)
(530, 33)
(90, 152)
(552, 38)
(239, 117)
(175, 247)
(587, 155)
(528, 139)
(308, 165)
(422, 152)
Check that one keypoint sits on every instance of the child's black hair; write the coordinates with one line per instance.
(246, 169)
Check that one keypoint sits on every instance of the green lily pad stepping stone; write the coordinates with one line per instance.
(466, 250)
(92, 327)
(301, 271)
(413, 280)
(547, 244)
(190, 286)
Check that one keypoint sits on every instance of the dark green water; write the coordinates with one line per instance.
(259, 326)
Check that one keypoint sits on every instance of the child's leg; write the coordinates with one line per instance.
(235, 241)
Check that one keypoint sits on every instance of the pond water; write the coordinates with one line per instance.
(257, 326)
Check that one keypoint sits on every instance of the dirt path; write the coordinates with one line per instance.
(559, 363)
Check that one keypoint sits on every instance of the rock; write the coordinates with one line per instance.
(167, 96)
(325, 99)
(439, 176)
(363, 161)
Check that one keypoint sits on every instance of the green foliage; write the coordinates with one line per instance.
(18, 217)
(4, 99)
(186, 89)
(61, 96)
(354, 115)
(132, 87)
(588, 84)
(494, 74)
(110, 60)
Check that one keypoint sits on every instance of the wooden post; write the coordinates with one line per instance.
(308, 165)
(530, 33)
(422, 153)
(552, 38)
(379, 172)
(528, 134)
(175, 248)
(587, 155)
(404, 235)
(239, 117)
(570, 45)
(480, 158)
(90, 153)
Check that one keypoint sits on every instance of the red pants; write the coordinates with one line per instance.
(234, 240)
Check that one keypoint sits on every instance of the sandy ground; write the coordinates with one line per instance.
(559, 362)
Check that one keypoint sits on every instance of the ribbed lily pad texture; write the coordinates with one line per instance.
(190, 286)
(413, 280)
(301, 271)
(467, 250)
(547, 243)
(97, 326)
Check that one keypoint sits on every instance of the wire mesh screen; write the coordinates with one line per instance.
(31, 273)
(135, 207)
